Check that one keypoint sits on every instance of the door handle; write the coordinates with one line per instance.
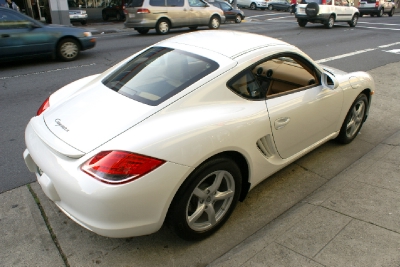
(281, 122)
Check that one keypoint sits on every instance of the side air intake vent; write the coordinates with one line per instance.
(266, 146)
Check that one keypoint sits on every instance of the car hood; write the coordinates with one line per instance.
(93, 116)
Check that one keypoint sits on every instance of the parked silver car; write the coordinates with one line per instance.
(162, 15)
(376, 7)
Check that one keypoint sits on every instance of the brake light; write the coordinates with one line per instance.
(143, 11)
(324, 2)
(377, 3)
(43, 107)
(119, 167)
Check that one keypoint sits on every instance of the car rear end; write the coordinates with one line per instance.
(367, 7)
(140, 15)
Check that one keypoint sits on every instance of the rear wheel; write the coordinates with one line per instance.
(354, 120)
(380, 14)
(162, 26)
(391, 13)
(253, 6)
(68, 49)
(302, 22)
(206, 199)
(353, 21)
(214, 23)
(329, 24)
(104, 16)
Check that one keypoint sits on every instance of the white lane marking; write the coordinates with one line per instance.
(387, 24)
(379, 28)
(383, 46)
(47, 71)
(395, 51)
(268, 14)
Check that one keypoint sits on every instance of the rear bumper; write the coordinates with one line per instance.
(320, 18)
(368, 10)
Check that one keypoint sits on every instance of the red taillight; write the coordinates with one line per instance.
(324, 2)
(119, 167)
(377, 3)
(142, 11)
(43, 107)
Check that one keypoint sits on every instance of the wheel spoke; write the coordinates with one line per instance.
(200, 193)
(224, 195)
(217, 182)
(211, 214)
(197, 214)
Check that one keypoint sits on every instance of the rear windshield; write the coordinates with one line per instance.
(310, 1)
(158, 74)
(369, 1)
(133, 3)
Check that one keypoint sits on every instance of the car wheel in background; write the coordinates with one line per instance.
(329, 24)
(270, 7)
(253, 6)
(302, 22)
(83, 22)
(238, 19)
(162, 26)
(361, 14)
(206, 199)
(214, 23)
(104, 16)
(380, 14)
(68, 49)
(143, 31)
(391, 13)
(353, 21)
(119, 17)
(312, 9)
(354, 120)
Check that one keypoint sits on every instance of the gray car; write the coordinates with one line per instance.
(162, 15)
(376, 7)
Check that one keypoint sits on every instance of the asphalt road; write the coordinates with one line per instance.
(26, 84)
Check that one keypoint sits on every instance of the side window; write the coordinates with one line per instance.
(175, 3)
(196, 3)
(284, 74)
(225, 7)
(9, 20)
(246, 85)
(157, 2)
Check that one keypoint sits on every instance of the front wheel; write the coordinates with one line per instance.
(214, 23)
(270, 7)
(329, 24)
(380, 14)
(206, 199)
(354, 120)
(253, 6)
(162, 26)
(353, 21)
(238, 19)
(68, 49)
(391, 13)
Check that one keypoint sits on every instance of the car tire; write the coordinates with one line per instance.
(354, 120)
(302, 22)
(353, 21)
(104, 16)
(214, 23)
(380, 12)
(163, 26)
(312, 9)
(330, 22)
(119, 17)
(238, 18)
(68, 49)
(206, 199)
(391, 13)
(253, 6)
(83, 22)
(270, 7)
(143, 31)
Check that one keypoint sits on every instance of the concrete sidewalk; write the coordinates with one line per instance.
(351, 219)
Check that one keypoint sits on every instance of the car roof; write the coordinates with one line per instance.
(228, 43)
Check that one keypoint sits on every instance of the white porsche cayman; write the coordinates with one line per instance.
(182, 130)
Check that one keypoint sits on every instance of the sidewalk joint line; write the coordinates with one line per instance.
(47, 222)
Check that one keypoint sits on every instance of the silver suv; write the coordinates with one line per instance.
(162, 15)
(376, 7)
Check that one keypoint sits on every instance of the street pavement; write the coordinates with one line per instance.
(351, 219)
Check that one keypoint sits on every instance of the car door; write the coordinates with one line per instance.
(199, 14)
(302, 111)
(228, 11)
(343, 10)
(178, 13)
(20, 36)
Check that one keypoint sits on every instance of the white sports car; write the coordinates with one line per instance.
(182, 130)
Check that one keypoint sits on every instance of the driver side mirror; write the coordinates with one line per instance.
(329, 81)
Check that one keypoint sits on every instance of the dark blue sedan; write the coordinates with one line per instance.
(22, 36)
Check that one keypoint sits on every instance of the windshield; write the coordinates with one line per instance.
(158, 73)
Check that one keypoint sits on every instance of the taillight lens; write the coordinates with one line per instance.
(377, 4)
(119, 167)
(43, 107)
(142, 11)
